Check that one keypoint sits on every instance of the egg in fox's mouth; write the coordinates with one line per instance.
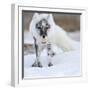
(44, 42)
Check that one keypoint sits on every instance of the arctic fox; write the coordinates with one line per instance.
(45, 31)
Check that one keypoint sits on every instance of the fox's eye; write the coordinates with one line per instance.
(38, 26)
(47, 26)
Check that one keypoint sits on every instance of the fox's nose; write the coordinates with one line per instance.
(43, 36)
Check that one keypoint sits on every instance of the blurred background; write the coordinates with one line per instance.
(70, 22)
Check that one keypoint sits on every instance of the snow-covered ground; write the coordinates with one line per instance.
(64, 63)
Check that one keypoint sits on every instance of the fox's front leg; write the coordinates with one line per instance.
(50, 54)
(37, 62)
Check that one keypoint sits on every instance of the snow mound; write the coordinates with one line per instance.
(64, 64)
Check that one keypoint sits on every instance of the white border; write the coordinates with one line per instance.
(16, 77)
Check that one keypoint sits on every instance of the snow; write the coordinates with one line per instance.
(75, 35)
(65, 64)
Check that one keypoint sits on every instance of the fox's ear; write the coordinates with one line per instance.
(51, 19)
(49, 16)
(35, 15)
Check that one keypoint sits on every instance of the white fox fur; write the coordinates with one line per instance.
(56, 35)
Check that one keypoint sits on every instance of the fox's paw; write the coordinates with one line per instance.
(50, 64)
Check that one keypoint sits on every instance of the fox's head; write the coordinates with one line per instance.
(41, 25)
